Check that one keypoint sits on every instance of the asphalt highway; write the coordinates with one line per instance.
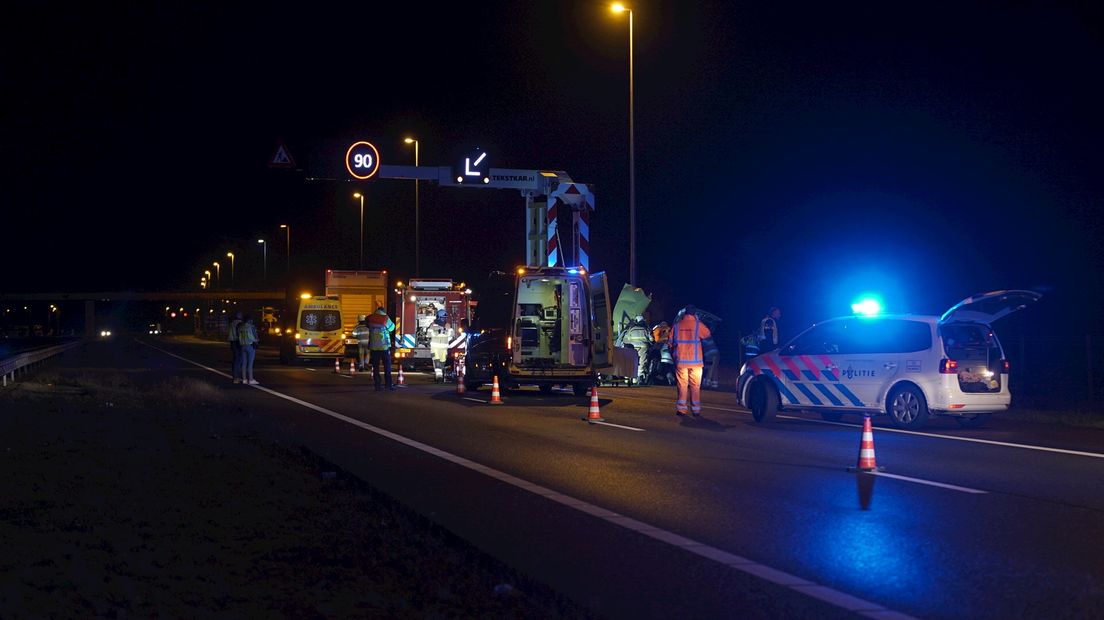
(651, 516)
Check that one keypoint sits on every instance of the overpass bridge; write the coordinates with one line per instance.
(91, 298)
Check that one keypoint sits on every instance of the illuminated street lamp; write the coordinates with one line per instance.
(620, 8)
(218, 273)
(265, 247)
(207, 272)
(417, 253)
(361, 196)
(231, 255)
(288, 227)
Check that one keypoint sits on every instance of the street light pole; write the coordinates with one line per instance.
(618, 8)
(218, 273)
(361, 196)
(231, 255)
(417, 252)
(265, 247)
(288, 227)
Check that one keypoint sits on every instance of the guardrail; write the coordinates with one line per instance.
(24, 361)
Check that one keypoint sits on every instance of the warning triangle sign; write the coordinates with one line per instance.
(282, 158)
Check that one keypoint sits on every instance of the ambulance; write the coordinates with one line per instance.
(560, 332)
(317, 333)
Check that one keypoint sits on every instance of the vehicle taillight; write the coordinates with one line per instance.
(948, 367)
(509, 344)
(1005, 366)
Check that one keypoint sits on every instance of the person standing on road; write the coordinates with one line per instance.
(439, 339)
(235, 347)
(768, 330)
(686, 336)
(247, 338)
(364, 341)
(380, 328)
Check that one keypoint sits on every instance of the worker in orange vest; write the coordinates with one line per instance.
(686, 336)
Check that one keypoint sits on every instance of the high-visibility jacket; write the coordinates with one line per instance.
(685, 339)
(768, 331)
(362, 333)
(232, 334)
(439, 342)
(639, 337)
(247, 333)
(380, 328)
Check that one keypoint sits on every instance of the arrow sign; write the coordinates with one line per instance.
(468, 165)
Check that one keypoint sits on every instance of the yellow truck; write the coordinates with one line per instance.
(359, 293)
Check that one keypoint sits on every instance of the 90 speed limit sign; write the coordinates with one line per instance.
(362, 160)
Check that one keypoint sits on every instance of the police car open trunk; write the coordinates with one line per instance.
(561, 327)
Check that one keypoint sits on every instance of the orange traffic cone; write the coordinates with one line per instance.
(402, 381)
(337, 365)
(352, 367)
(866, 449)
(460, 388)
(595, 414)
(496, 398)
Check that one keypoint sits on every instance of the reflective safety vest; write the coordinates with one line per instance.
(380, 328)
(768, 331)
(362, 334)
(685, 338)
(638, 337)
(438, 343)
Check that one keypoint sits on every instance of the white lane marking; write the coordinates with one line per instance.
(630, 428)
(310, 369)
(345, 376)
(835, 597)
(475, 400)
(933, 483)
(991, 442)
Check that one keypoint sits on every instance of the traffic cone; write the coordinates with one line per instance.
(337, 365)
(402, 381)
(460, 389)
(595, 414)
(352, 367)
(866, 449)
(496, 398)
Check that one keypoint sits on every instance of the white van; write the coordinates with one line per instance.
(906, 366)
(560, 331)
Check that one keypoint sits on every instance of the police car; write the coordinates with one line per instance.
(907, 366)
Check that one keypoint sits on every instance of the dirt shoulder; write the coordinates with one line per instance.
(164, 502)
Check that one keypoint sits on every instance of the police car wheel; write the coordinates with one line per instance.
(545, 388)
(907, 408)
(581, 389)
(831, 416)
(975, 421)
(763, 401)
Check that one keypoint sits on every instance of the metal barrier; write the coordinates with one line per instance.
(23, 361)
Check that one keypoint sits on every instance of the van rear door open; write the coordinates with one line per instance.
(601, 326)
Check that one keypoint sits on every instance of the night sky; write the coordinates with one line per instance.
(791, 154)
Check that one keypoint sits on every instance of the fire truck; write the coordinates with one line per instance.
(420, 303)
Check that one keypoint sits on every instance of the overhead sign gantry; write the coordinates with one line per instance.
(553, 201)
